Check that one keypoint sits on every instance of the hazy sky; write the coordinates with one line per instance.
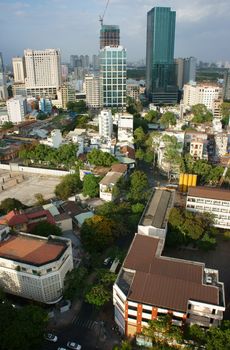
(202, 26)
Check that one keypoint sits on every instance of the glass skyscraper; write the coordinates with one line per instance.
(160, 67)
(113, 76)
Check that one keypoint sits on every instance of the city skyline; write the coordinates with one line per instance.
(74, 26)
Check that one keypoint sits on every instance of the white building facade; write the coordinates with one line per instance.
(16, 109)
(105, 123)
(125, 127)
(19, 69)
(93, 90)
(201, 94)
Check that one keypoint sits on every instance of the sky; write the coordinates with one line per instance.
(202, 26)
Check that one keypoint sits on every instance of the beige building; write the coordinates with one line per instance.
(19, 69)
(35, 267)
(67, 94)
(204, 93)
(133, 91)
(93, 90)
(107, 185)
(198, 149)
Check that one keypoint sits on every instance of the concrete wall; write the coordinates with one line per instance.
(33, 170)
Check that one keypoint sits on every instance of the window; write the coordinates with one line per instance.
(132, 317)
(132, 308)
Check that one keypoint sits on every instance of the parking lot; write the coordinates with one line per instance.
(216, 259)
(32, 184)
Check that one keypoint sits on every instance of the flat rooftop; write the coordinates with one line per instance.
(31, 250)
(149, 278)
(111, 178)
(209, 192)
(156, 211)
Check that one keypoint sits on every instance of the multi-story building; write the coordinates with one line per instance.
(45, 105)
(19, 69)
(198, 149)
(105, 123)
(151, 285)
(133, 90)
(93, 89)
(216, 108)
(107, 185)
(35, 267)
(203, 93)
(113, 76)
(68, 94)
(227, 85)
(186, 70)
(161, 86)
(54, 140)
(3, 88)
(109, 36)
(19, 89)
(125, 127)
(17, 109)
(221, 144)
(95, 62)
(215, 201)
(43, 72)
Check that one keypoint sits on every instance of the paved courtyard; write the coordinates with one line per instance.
(32, 184)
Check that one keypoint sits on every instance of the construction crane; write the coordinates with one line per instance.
(224, 173)
(102, 17)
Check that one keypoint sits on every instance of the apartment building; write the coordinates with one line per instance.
(221, 144)
(16, 109)
(198, 149)
(93, 90)
(215, 201)
(35, 267)
(107, 185)
(204, 93)
(125, 127)
(105, 123)
(19, 69)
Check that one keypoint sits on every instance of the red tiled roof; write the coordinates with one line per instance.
(209, 192)
(31, 250)
(165, 282)
(128, 151)
(14, 218)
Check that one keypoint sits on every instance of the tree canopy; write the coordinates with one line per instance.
(69, 185)
(139, 187)
(9, 204)
(78, 106)
(168, 119)
(45, 229)
(75, 283)
(201, 114)
(91, 185)
(97, 157)
(152, 116)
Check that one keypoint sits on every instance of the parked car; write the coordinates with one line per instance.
(61, 348)
(73, 345)
(51, 337)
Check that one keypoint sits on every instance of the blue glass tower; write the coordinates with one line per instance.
(160, 67)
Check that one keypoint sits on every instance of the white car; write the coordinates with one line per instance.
(74, 346)
(51, 337)
(61, 348)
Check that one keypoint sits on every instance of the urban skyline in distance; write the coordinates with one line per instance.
(74, 26)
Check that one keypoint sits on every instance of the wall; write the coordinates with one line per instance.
(26, 169)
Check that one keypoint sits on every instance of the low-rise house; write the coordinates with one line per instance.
(64, 221)
(80, 218)
(107, 185)
(35, 267)
(198, 149)
(215, 201)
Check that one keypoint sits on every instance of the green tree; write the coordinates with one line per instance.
(138, 208)
(125, 345)
(98, 295)
(139, 187)
(78, 106)
(45, 229)
(39, 198)
(196, 333)
(75, 283)
(91, 185)
(9, 204)
(152, 116)
(97, 157)
(225, 112)
(69, 185)
(168, 119)
(139, 136)
(172, 152)
(7, 125)
(207, 242)
(201, 114)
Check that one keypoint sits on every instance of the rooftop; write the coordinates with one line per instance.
(111, 178)
(31, 249)
(209, 192)
(149, 278)
(119, 168)
(156, 211)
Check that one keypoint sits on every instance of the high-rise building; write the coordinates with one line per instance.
(73, 60)
(95, 62)
(19, 69)
(227, 85)
(186, 71)
(93, 91)
(43, 72)
(204, 93)
(105, 123)
(113, 76)
(161, 87)
(3, 88)
(109, 36)
(17, 109)
(67, 94)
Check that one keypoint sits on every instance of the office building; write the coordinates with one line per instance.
(16, 109)
(161, 86)
(73, 61)
(227, 85)
(186, 71)
(19, 69)
(151, 285)
(203, 93)
(109, 36)
(95, 62)
(3, 87)
(35, 267)
(93, 90)
(105, 123)
(215, 201)
(113, 75)
(43, 72)
(68, 94)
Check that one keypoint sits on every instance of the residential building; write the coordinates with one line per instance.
(204, 93)
(105, 123)
(19, 89)
(133, 90)
(73, 61)
(113, 77)
(55, 140)
(3, 88)
(45, 105)
(107, 185)
(19, 69)
(93, 89)
(95, 62)
(125, 127)
(67, 94)
(198, 149)
(221, 144)
(186, 70)
(109, 36)
(16, 109)
(35, 267)
(215, 201)
(216, 108)
(43, 72)
(226, 91)
(161, 85)
(151, 285)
